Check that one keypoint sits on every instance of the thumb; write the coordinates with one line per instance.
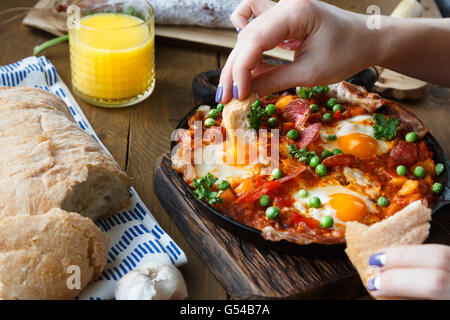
(282, 77)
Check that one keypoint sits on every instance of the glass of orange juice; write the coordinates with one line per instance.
(112, 51)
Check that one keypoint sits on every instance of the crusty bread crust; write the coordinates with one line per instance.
(47, 161)
(36, 251)
(408, 226)
(235, 115)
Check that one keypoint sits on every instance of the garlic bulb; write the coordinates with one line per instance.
(152, 281)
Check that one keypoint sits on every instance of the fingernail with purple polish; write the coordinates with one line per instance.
(235, 91)
(219, 93)
(373, 283)
(377, 259)
(239, 29)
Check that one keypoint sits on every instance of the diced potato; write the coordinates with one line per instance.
(409, 187)
(282, 102)
(228, 196)
(245, 187)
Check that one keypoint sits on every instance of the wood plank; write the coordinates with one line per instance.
(152, 122)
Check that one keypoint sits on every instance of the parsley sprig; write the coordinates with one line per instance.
(203, 189)
(384, 128)
(308, 93)
(303, 155)
(255, 117)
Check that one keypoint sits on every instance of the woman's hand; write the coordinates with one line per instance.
(419, 271)
(336, 44)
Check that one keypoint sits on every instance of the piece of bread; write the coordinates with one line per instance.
(235, 115)
(408, 226)
(47, 161)
(37, 252)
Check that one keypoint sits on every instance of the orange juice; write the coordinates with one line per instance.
(112, 58)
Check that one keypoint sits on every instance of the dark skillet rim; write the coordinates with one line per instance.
(439, 155)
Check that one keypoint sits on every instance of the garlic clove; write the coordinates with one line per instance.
(152, 281)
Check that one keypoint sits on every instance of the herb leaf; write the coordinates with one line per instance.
(255, 117)
(307, 93)
(303, 155)
(384, 128)
(203, 189)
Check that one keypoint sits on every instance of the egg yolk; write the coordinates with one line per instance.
(358, 144)
(348, 207)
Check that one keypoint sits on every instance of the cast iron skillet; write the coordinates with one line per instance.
(204, 90)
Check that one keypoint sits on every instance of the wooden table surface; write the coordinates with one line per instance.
(137, 135)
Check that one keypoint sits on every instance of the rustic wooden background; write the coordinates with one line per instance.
(138, 135)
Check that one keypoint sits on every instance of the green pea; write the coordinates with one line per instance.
(273, 122)
(265, 200)
(257, 103)
(326, 154)
(331, 102)
(326, 222)
(302, 193)
(401, 170)
(314, 162)
(337, 151)
(411, 137)
(439, 168)
(209, 122)
(419, 172)
(277, 173)
(272, 212)
(337, 107)
(314, 202)
(328, 117)
(437, 188)
(292, 134)
(223, 185)
(220, 107)
(332, 137)
(270, 109)
(213, 113)
(321, 170)
(314, 108)
(382, 202)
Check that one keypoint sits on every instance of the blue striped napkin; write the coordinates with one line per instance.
(136, 237)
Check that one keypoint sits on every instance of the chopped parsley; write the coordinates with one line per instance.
(303, 155)
(307, 93)
(384, 128)
(203, 189)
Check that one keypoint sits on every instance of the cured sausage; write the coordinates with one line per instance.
(297, 111)
(308, 135)
(339, 160)
(404, 153)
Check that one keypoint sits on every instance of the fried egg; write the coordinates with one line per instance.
(214, 160)
(337, 201)
(355, 136)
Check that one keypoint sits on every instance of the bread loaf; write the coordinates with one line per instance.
(47, 161)
(49, 256)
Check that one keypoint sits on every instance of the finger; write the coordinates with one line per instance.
(283, 77)
(262, 34)
(261, 68)
(411, 283)
(225, 89)
(415, 256)
(248, 8)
